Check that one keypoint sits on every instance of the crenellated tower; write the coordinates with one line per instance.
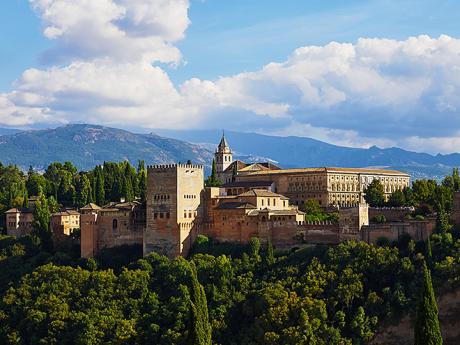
(173, 208)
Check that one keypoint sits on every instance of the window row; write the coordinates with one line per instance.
(161, 197)
(161, 215)
(190, 214)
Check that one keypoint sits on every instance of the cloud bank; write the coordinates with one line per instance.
(104, 69)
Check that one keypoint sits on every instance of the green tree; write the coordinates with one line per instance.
(374, 194)
(427, 330)
(35, 182)
(397, 199)
(212, 180)
(428, 251)
(127, 187)
(443, 224)
(200, 331)
(42, 216)
(423, 191)
(456, 180)
(409, 196)
(84, 192)
(141, 180)
(312, 207)
(100, 191)
(254, 246)
(270, 255)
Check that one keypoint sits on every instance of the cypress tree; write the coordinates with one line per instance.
(270, 256)
(100, 191)
(212, 180)
(456, 179)
(42, 216)
(128, 187)
(429, 253)
(200, 331)
(25, 202)
(142, 184)
(427, 330)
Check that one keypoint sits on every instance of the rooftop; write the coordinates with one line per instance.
(66, 213)
(235, 205)
(261, 193)
(91, 206)
(19, 210)
(247, 184)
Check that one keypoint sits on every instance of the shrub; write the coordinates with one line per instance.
(380, 218)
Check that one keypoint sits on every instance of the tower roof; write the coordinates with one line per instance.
(223, 145)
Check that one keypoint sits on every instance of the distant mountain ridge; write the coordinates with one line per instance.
(7, 131)
(87, 145)
(294, 151)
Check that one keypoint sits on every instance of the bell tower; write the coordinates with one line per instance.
(223, 156)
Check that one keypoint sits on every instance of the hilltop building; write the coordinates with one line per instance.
(113, 225)
(19, 221)
(174, 210)
(256, 200)
(64, 227)
(327, 185)
(64, 223)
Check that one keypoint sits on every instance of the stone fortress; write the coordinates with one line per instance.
(255, 200)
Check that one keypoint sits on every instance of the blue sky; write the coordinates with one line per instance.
(228, 37)
(244, 65)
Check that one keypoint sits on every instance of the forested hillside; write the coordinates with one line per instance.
(317, 295)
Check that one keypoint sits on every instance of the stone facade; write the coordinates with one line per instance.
(19, 221)
(270, 216)
(174, 212)
(65, 222)
(255, 213)
(391, 214)
(62, 225)
(113, 225)
(418, 230)
(330, 186)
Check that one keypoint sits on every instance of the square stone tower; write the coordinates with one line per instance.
(174, 208)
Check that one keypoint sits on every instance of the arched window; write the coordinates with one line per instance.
(114, 224)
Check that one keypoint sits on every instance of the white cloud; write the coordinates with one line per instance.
(123, 30)
(376, 91)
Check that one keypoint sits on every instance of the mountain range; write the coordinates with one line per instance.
(88, 145)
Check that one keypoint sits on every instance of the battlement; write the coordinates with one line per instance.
(175, 166)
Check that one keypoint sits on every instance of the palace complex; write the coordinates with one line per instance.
(255, 200)
(328, 185)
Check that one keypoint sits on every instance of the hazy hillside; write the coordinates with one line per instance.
(302, 152)
(88, 145)
(7, 131)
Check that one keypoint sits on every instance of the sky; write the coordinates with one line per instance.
(354, 73)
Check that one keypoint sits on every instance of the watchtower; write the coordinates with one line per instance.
(173, 208)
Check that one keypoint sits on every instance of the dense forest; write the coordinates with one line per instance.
(232, 294)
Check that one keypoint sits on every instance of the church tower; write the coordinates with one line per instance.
(223, 156)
